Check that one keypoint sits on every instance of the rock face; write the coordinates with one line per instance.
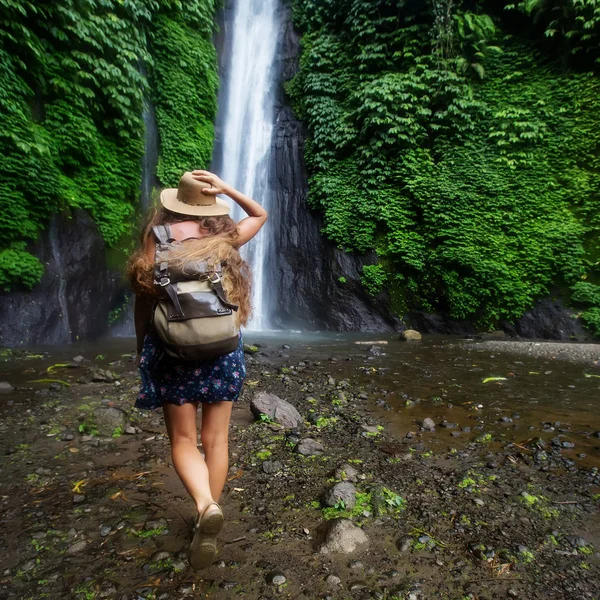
(319, 300)
(279, 410)
(76, 292)
(343, 537)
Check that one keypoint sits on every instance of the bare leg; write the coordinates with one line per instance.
(187, 460)
(215, 436)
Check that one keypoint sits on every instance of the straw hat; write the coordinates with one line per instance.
(189, 199)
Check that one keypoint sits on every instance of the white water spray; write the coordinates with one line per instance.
(247, 104)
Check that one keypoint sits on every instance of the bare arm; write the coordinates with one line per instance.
(257, 215)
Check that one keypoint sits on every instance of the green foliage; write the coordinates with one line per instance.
(186, 82)
(71, 106)
(464, 159)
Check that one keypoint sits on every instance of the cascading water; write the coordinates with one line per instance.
(246, 114)
(61, 288)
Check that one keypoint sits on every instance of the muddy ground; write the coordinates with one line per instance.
(496, 502)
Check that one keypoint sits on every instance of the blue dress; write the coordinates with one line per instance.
(166, 379)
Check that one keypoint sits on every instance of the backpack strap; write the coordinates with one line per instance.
(162, 275)
(163, 234)
(215, 279)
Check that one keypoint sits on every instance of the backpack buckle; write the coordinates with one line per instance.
(214, 278)
(164, 281)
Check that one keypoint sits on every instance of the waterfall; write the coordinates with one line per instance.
(61, 289)
(246, 117)
(150, 158)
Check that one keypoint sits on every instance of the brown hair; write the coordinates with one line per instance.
(218, 245)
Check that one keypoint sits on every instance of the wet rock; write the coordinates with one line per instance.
(5, 387)
(343, 536)
(568, 445)
(157, 524)
(78, 498)
(505, 420)
(369, 430)
(160, 556)
(272, 466)
(250, 349)
(77, 547)
(333, 581)
(105, 530)
(286, 347)
(344, 492)
(67, 437)
(356, 564)
(427, 424)
(27, 566)
(109, 419)
(448, 425)
(410, 335)
(346, 473)
(375, 350)
(78, 359)
(279, 410)
(276, 579)
(228, 585)
(576, 541)
(404, 544)
(309, 447)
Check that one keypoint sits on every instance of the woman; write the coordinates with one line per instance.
(200, 221)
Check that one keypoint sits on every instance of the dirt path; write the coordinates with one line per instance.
(91, 507)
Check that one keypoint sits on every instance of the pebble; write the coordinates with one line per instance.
(405, 545)
(568, 445)
(276, 579)
(356, 564)
(272, 466)
(105, 530)
(512, 593)
(333, 580)
(479, 502)
(5, 387)
(228, 585)
(448, 425)
(77, 547)
(78, 498)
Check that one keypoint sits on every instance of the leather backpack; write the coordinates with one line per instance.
(193, 317)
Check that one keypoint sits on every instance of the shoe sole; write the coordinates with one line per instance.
(203, 548)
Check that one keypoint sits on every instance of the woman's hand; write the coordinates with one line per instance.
(218, 186)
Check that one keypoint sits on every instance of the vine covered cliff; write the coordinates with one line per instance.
(458, 143)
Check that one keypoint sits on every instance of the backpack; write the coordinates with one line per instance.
(193, 317)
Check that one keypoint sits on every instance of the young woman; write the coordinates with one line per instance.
(200, 221)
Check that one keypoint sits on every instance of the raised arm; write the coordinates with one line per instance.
(257, 215)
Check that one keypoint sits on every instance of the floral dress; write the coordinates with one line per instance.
(166, 379)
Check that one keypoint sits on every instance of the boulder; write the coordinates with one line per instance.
(344, 492)
(343, 536)
(410, 335)
(309, 447)
(107, 419)
(346, 473)
(279, 410)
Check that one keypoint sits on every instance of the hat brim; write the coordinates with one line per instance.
(168, 198)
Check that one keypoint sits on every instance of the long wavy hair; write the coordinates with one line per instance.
(219, 244)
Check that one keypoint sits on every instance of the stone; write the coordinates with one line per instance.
(568, 445)
(277, 409)
(157, 524)
(309, 447)
(375, 350)
(78, 498)
(332, 580)
(78, 359)
(346, 473)
(5, 387)
(448, 425)
(160, 556)
(344, 492)
(276, 579)
(410, 335)
(343, 537)
(105, 530)
(77, 547)
(250, 349)
(272, 466)
(108, 419)
(428, 424)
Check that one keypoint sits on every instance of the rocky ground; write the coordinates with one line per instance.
(325, 498)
